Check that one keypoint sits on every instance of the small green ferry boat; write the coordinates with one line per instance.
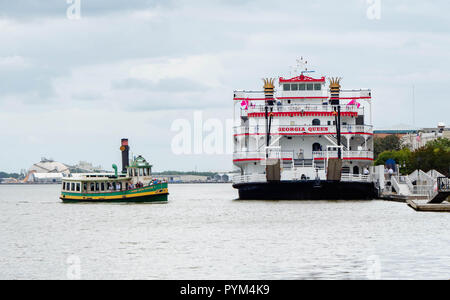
(134, 184)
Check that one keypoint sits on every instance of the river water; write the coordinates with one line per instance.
(204, 233)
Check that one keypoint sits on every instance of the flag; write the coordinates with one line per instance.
(354, 102)
(418, 137)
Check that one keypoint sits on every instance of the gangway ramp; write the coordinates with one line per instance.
(443, 191)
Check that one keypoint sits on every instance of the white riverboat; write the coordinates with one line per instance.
(305, 138)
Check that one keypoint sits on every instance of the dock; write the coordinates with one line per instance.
(445, 207)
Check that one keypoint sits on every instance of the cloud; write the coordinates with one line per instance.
(171, 85)
(131, 67)
(13, 62)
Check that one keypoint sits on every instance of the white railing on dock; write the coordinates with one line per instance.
(395, 184)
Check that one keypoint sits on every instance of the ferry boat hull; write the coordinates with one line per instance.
(306, 190)
(155, 193)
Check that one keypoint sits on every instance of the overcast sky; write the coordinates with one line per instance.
(70, 89)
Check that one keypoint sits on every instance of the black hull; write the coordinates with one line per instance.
(307, 190)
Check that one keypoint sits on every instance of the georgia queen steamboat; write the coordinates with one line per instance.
(306, 139)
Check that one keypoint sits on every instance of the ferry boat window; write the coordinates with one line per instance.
(294, 87)
(141, 172)
(64, 185)
(73, 186)
(92, 187)
(145, 172)
(96, 186)
(310, 86)
(316, 122)
(102, 186)
(302, 87)
(84, 187)
(317, 87)
(329, 123)
(78, 187)
(286, 87)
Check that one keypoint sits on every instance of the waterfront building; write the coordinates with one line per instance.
(49, 166)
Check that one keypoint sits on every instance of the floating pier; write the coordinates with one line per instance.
(428, 207)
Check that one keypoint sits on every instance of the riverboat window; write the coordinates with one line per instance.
(92, 187)
(78, 187)
(316, 122)
(316, 147)
(294, 87)
(329, 123)
(286, 87)
(302, 87)
(145, 172)
(97, 186)
(102, 186)
(317, 87)
(141, 172)
(310, 86)
(73, 186)
(84, 187)
(64, 185)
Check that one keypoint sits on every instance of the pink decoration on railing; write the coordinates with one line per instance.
(354, 102)
(244, 104)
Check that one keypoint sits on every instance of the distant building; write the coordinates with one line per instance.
(423, 136)
(85, 167)
(415, 138)
(46, 177)
(182, 178)
(400, 131)
(49, 166)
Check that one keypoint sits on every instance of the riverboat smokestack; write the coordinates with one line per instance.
(335, 90)
(269, 90)
(125, 155)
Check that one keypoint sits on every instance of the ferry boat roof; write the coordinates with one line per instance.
(111, 177)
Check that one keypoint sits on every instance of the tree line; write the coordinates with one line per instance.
(434, 155)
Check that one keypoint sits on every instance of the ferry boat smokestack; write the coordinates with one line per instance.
(335, 90)
(125, 155)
